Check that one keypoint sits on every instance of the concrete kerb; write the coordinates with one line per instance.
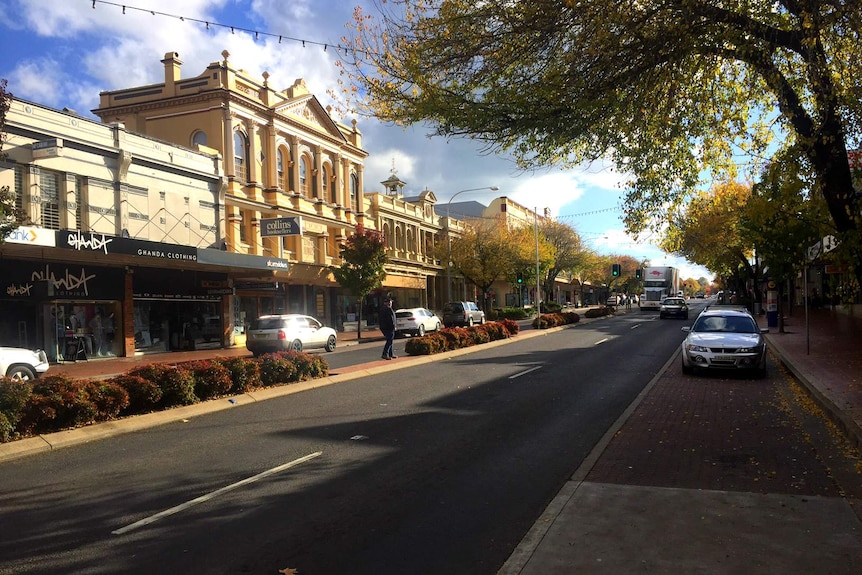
(851, 426)
(70, 437)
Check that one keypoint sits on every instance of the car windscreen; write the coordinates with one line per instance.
(731, 324)
(267, 323)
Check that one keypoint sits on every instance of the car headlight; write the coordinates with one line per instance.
(755, 349)
(696, 348)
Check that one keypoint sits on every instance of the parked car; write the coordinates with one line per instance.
(724, 339)
(271, 333)
(673, 307)
(22, 364)
(416, 321)
(462, 313)
(613, 300)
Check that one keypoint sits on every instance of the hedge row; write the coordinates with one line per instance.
(547, 320)
(599, 311)
(57, 402)
(451, 338)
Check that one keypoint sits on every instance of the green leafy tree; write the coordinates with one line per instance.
(667, 89)
(784, 220)
(362, 269)
(10, 216)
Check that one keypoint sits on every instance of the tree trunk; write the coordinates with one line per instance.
(359, 320)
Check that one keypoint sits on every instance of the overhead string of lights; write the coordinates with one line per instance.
(233, 29)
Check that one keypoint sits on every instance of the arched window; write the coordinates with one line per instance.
(199, 138)
(280, 166)
(324, 182)
(303, 176)
(354, 193)
(240, 157)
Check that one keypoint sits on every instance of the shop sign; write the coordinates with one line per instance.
(103, 243)
(61, 281)
(291, 226)
(31, 236)
(230, 259)
(47, 148)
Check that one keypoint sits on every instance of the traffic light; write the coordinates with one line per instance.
(615, 270)
(639, 273)
(520, 278)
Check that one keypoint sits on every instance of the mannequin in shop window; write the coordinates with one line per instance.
(97, 328)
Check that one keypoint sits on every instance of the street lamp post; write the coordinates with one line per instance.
(449, 237)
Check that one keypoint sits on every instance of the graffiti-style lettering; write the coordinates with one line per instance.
(17, 291)
(95, 242)
(67, 282)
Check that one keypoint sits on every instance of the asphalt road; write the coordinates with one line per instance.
(439, 468)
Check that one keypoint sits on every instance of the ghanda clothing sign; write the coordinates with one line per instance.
(33, 280)
(103, 243)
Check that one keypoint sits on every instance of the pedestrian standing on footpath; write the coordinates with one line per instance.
(387, 326)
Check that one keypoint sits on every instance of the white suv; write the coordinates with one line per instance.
(22, 364)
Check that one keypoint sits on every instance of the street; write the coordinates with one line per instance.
(439, 468)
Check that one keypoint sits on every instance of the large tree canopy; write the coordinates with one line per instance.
(671, 90)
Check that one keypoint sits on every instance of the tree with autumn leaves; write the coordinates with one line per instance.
(671, 91)
(362, 269)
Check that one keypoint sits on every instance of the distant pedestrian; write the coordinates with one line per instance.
(387, 326)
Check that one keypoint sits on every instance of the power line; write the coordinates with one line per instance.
(233, 29)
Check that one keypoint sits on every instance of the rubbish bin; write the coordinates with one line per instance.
(772, 309)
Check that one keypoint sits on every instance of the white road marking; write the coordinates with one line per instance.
(212, 495)
(601, 341)
(525, 372)
(635, 326)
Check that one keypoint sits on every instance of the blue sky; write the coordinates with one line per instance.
(62, 54)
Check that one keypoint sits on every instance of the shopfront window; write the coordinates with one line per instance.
(82, 330)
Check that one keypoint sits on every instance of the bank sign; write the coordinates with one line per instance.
(281, 227)
(31, 236)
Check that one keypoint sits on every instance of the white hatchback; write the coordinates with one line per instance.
(416, 321)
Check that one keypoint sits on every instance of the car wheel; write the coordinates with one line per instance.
(686, 369)
(661, 316)
(482, 320)
(21, 373)
(470, 322)
(421, 331)
(330, 343)
(685, 316)
(296, 345)
(437, 328)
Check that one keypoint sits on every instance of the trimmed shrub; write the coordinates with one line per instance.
(244, 372)
(511, 326)
(14, 396)
(478, 335)
(59, 402)
(176, 383)
(555, 319)
(513, 313)
(212, 379)
(428, 344)
(275, 369)
(599, 311)
(144, 395)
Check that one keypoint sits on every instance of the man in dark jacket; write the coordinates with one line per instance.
(387, 326)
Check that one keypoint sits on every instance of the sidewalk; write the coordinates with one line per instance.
(685, 481)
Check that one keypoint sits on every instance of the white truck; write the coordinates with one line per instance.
(659, 283)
